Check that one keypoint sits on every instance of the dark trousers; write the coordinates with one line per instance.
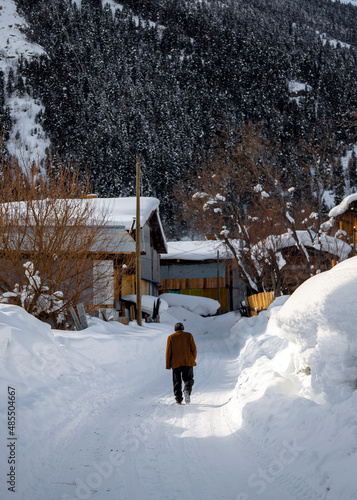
(185, 374)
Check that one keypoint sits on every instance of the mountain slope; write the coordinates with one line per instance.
(158, 79)
(24, 136)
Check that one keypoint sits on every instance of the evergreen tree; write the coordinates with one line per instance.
(159, 78)
(352, 171)
(338, 180)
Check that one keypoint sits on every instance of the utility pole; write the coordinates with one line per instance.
(218, 283)
(137, 241)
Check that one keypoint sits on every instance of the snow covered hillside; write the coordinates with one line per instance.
(27, 139)
(273, 414)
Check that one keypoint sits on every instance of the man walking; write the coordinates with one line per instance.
(181, 355)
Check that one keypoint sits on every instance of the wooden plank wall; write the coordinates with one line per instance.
(180, 284)
(259, 302)
(128, 286)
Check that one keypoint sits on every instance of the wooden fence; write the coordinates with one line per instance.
(258, 302)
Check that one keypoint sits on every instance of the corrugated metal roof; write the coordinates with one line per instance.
(116, 241)
(185, 271)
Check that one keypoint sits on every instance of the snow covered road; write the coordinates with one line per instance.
(140, 445)
(143, 446)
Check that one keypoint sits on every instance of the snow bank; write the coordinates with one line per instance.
(198, 305)
(320, 318)
(27, 351)
(307, 444)
(195, 323)
(62, 378)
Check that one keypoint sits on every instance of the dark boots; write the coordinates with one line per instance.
(179, 375)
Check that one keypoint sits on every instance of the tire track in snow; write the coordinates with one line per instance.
(274, 470)
(271, 472)
(212, 455)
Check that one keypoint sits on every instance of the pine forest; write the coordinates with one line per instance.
(172, 81)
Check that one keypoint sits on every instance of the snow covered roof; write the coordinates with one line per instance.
(118, 212)
(121, 211)
(343, 206)
(196, 250)
(325, 243)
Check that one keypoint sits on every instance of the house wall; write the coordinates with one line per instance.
(195, 270)
(348, 221)
(196, 278)
(128, 286)
(237, 290)
(150, 263)
(295, 272)
(103, 282)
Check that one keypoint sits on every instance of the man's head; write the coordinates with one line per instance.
(179, 326)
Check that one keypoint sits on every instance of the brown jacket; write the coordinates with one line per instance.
(180, 350)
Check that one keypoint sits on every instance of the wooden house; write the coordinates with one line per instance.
(344, 217)
(118, 258)
(321, 253)
(202, 268)
(98, 275)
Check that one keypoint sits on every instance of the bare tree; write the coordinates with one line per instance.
(305, 202)
(52, 236)
(240, 195)
(231, 196)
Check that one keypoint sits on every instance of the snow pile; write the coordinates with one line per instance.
(198, 305)
(320, 319)
(196, 323)
(302, 426)
(25, 350)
